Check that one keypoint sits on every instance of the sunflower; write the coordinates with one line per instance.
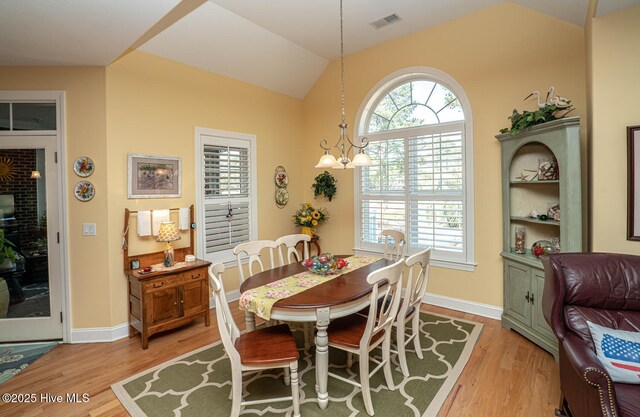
(315, 215)
(314, 222)
(308, 218)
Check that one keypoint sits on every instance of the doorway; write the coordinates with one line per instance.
(32, 289)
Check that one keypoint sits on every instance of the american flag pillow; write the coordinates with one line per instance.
(618, 351)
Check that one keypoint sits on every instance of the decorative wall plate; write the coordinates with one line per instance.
(84, 191)
(282, 179)
(282, 197)
(83, 166)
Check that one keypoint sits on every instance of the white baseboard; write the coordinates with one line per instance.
(100, 334)
(484, 310)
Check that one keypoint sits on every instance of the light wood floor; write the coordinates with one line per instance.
(506, 376)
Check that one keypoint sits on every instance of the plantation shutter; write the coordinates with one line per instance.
(227, 195)
(416, 185)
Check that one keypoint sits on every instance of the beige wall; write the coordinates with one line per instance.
(498, 56)
(147, 104)
(615, 89)
(153, 106)
(85, 135)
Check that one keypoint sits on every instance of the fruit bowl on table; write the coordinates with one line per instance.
(324, 264)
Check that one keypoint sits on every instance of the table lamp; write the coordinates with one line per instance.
(168, 233)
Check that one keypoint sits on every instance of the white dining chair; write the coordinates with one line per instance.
(358, 334)
(418, 277)
(393, 244)
(265, 348)
(290, 242)
(253, 250)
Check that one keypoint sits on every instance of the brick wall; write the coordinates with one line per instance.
(24, 190)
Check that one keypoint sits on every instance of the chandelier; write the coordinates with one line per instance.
(344, 144)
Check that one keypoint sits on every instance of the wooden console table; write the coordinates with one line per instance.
(165, 299)
(313, 241)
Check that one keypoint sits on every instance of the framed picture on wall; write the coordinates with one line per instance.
(633, 165)
(153, 176)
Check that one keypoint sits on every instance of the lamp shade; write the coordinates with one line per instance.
(168, 232)
(35, 174)
(327, 161)
(361, 159)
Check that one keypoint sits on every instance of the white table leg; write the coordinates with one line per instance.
(250, 320)
(322, 357)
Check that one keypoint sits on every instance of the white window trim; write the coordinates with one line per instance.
(227, 258)
(361, 122)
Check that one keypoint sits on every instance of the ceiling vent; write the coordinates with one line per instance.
(386, 21)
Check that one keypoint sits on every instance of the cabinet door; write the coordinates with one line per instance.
(538, 323)
(163, 305)
(516, 291)
(194, 297)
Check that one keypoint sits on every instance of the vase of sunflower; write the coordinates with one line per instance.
(308, 218)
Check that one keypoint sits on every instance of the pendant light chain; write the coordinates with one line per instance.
(342, 61)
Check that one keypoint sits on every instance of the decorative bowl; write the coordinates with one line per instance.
(324, 264)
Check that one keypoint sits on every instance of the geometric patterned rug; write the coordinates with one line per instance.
(199, 383)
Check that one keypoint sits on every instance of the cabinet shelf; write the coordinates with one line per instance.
(516, 182)
(531, 220)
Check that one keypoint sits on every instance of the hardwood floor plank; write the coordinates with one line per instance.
(506, 375)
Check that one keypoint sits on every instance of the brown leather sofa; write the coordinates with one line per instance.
(604, 289)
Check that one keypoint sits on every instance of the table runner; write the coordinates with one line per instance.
(260, 300)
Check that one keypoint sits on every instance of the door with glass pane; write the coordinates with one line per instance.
(30, 278)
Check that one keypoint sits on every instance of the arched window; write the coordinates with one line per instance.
(418, 124)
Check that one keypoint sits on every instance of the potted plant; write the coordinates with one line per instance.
(307, 217)
(7, 255)
(325, 184)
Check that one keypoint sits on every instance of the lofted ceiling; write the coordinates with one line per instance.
(282, 45)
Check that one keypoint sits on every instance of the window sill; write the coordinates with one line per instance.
(439, 263)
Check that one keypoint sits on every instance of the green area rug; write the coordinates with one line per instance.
(199, 383)
(15, 357)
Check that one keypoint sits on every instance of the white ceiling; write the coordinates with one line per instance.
(612, 6)
(73, 32)
(282, 45)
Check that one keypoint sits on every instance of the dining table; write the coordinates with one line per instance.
(339, 297)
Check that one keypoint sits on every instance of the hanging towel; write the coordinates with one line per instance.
(159, 216)
(185, 218)
(144, 223)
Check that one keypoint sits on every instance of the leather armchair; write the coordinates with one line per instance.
(604, 289)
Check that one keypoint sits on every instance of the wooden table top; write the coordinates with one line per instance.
(198, 263)
(347, 287)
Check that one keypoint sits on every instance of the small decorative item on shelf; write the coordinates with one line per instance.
(554, 108)
(541, 247)
(325, 184)
(308, 218)
(554, 212)
(520, 240)
(533, 214)
(547, 169)
(325, 264)
(543, 217)
(555, 245)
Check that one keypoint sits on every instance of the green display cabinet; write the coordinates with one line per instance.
(541, 170)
